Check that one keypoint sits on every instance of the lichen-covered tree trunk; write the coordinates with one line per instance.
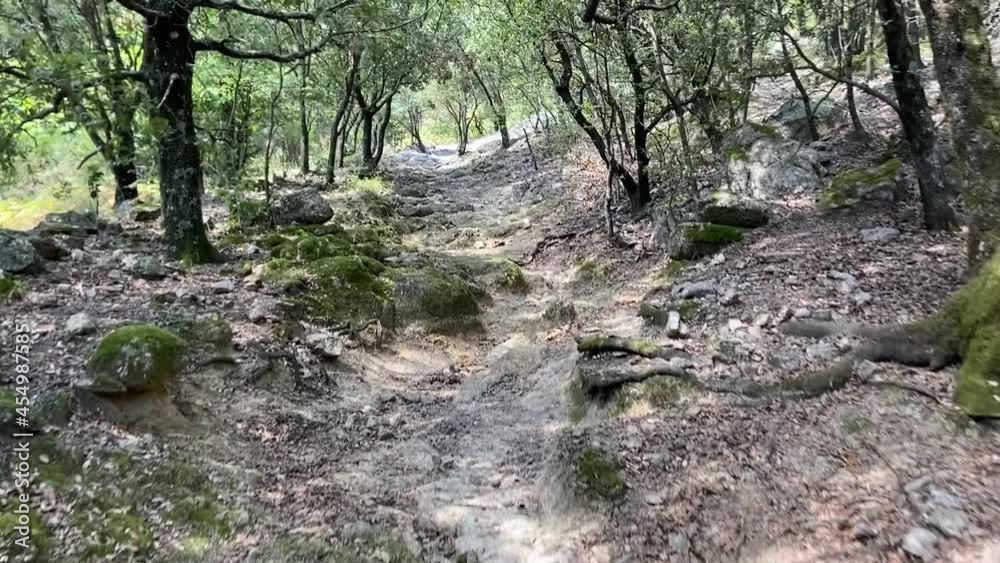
(936, 190)
(169, 66)
(971, 96)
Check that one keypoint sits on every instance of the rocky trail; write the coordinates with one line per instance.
(489, 445)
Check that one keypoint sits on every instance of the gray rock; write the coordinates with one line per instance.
(734, 212)
(730, 352)
(800, 313)
(822, 315)
(763, 165)
(264, 309)
(730, 296)
(866, 369)
(785, 361)
(864, 531)
(304, 207)
(879, 234)
(144, 267)
(694, 290)
(941, 510)
(80, 324)
(784, 314)
(673, 324)
(822, 352)
(223, 286)
(325, 345)
(17, 255)
(921, 543)
(862, 298)
(790, 118)
(49, 247)
(761, 320)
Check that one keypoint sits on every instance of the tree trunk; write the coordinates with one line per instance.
(169, 62)
(342, 110)
(380, 136)
(501, 123)
(970, 91)
(918, 126)
(368, 139)
(304, 114)
(912, 15)
(852, 106)
(803, 93)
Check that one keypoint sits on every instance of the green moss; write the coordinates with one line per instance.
(663, 392)
(708, 233)
(765, 129)
(855, 422)
(442, 301)
(11, 289)
(63, 467)
(849, 188)
(672, 270)
(577, 405)
(736, 153)
(54, 407)
(283, 275)
(199, 514)
(598, 475)
(39, 538)
(210, 332)
(346, 289)
(968, 327)
(136, 358)
(590, 270)
(113, 531)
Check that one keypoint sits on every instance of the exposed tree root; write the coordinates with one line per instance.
(597, 344)
(601, 377)
(549, 241)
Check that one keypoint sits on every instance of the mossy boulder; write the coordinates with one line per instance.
(441, 301)
(731, 211)
(134, 359)
(705, 239)
(849, 188)
(346, 289)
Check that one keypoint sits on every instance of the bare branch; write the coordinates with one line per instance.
(236, 6)
(140, 8)
(222, 47)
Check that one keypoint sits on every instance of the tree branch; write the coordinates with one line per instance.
(223, 48)
(236, 6)
(140, 8)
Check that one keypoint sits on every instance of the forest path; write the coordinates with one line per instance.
(478, 461)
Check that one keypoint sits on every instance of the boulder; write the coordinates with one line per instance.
(144, 267)
(17, 255)
(761, 164)
(134, 359)
(699, 240)
(735, 212)
(80, 324)
(303, 207)
(847, 189)
(790, 118)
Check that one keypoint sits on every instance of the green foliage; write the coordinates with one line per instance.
(11, 289)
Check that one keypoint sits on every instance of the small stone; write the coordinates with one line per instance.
(784, 314)
(223, 286)
(866, 369)
(653, 499)
(864, 531)
(673, 324)
(695, 289)
(264, 309)
(495, 480)
(718, 259)
(729, 297)
(800, 313)
(761, 320)
(784, 361)
(76, 255)
(80, 324)
(862, 298)
(735, 324)
(921, 543)
(144, 267)
(679, 543)
(879, 234)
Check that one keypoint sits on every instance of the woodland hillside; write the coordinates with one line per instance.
(498, 281)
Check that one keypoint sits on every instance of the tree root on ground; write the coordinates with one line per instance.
(597, 344)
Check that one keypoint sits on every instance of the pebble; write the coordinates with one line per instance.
(761, 320)
(223, 286)
(80, 324)
(862, 298)
(921, 543)
(879, 234)
(864, 531)
(800, 313)
(730, 296)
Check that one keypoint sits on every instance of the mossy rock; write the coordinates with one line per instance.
(501, 274)
(212, 332)
(441, 301)
(589, 271)
(705, 239)
(54, 407)
(346, 289)
(746, 215)
(850, 188)
(136, 358)
(11, 289)
(598, 476)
